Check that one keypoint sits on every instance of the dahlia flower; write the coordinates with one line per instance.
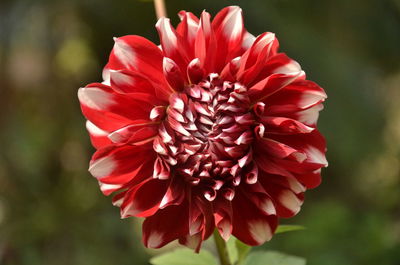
(213, 129)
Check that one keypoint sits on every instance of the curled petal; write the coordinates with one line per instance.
(194, 71)
(173, 74)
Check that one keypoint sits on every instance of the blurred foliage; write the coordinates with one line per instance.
(51, 211)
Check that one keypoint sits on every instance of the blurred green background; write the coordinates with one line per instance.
(51, 210)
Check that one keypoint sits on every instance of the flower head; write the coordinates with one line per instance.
(214, 128)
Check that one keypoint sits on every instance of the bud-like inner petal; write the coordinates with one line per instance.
(206, 137)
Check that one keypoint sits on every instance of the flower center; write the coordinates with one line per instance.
(206, 136)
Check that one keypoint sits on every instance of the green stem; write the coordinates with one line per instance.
(221, 249)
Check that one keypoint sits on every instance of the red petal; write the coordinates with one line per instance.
(271, 85)
(205, 43)
(144, 200)
(136, 53)
(278, 150)
(133, 82)
(125, 81)
(188, 29)
(282, 125)
(109, 110)
(173, 74)
(229, 29)
(194, 71)
(251, 225)
(279, 64)
(123, 164)
(312, 144)
(299, 95)
(255, 58)
(175, 193)
(135, 134)
(223, 217)
(165, 226)
(98, 137)
(287, 203)
(173, 45)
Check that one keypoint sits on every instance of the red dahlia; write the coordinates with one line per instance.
(213, 129)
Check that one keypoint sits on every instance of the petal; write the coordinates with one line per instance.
(165, 226)
(312, 144)
(172, 44)
(192, 241)
(98, 137)
(123, 164)
(205, 44)
(271, 85)
(188, 29)
(131, 82)
(223, 217)
(134, 134)
(229, 29)
(194, 71)
(278, 150)
(139, 55)
(255, 58)
(283, 125)
(286, 202)
(173, 74)
(248, 40)
(310, 180)
(175, 193)
(135, 53)
(144, 199)
(259, 197)
(109, 110)
(297, 96)
(251, 225)
(279, 64)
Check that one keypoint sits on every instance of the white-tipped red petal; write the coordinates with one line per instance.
(173, 74)
(98, 137)
(163, 227)
(109, 110)
(229, 30)
(144, 199)
(194, 71)
(272, 84)
(251, 225)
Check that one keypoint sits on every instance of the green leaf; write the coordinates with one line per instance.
(185, 257)
(237, 250)
(232, 249)
(242, 250)
(288, 228)
(273, 258)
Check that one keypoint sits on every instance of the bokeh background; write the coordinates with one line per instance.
(51, 210)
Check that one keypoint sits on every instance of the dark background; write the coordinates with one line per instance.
(51, 210)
